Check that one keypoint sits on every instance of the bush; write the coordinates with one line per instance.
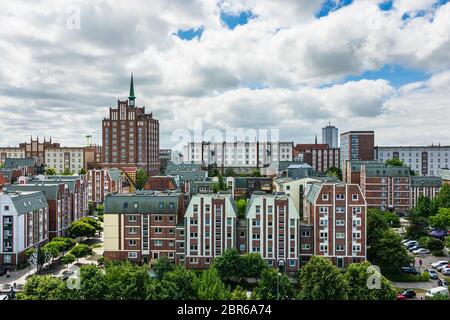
(68, 258)
(424, 277)
(438, 253)
(435, 244)
(81, 250)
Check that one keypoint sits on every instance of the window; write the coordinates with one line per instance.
(256, 223)
(161, 205)
(340, 197)
(7, 258)
(340, 210)
(158, 243)
(158, 231)
(132, 230)
(193, 234)
(339, 247)
(6, 208)
(132, 255)
(340, 235)
(306, 234)
(292, 222)
(194, 222)
(323, 210)
(258, 209)
(325, 197)
(340, 222)
(157, 218)
(323, 235)
(132, 243)
(324, 248)
(132, 218)
(355, 197)
(306, 246)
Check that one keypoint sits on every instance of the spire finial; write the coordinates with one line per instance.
(316, 139)
(131, 97)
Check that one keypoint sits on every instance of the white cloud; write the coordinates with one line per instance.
(49, 73)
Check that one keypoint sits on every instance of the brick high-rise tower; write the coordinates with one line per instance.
(131, 136)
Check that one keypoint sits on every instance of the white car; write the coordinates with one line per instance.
(442, 266)
(421, 251)
(435, 291)
(411, 243)
(446, 271)
(436, 264)
(405, 241)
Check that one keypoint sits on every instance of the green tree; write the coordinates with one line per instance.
(442, 199)
(376, 225)
(228, 265)
(388, 253)
(241, 205)
(68, 259)
(82, 229)
(83, 171)
(434, 244)
(141, 179)
(357, 278)
(125, 281)
(392, 219)
(252, 265)
(334, 172)
(67, 243)
(211, 287)
(50, 172)
(424, 207)
(255, 173)
(93, 285)
(394, 162)
(273, 285)
(44, 288)
(67, 172)
(81, 250)
(162, 266)
(161, 290)
(229, 172)
(238, 294)
(94, 223)
(184, 282)
(321, 280)
(222, 184)
(54, 248)
(441, 220)
(417, 226)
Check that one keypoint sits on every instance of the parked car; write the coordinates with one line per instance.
(411, 243)
(401, 297)
(436, 264)
(415, 248)
(438, 234)
(409, 294)
(446, 271)
(435, 291)
(3, 271)
(433, 274)
(442, 266)
(421, 251)
(442, 283)
(405, 241)
(410, 270)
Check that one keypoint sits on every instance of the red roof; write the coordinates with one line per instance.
(160, 183)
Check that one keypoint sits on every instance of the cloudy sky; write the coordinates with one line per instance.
(289, 64)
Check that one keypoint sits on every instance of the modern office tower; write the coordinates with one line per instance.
(330, 136)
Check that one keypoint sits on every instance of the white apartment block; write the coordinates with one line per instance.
(65, 158)
(11, 152)
(24, 220)
(423, 160)
(238, 154)
(273, 229)
(210, 222)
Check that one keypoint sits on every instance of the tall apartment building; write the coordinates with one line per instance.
(386, 188)
(423, 160)
(141, 226)
(101, 182)
(330, 136)
(357, 145)
(424, 186)
(131, 137)
(273, 229)
(210, 228)
(240, 156)
(24, 220)
(320, 157)
(12, 153)
(335, 223)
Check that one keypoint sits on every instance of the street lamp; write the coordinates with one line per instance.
(280, 270)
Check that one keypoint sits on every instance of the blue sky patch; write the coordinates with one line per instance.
(190, 34)
(386, 5)
(232, 21)
(331, 6)
(395, 74)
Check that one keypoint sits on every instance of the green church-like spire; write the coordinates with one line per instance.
(131, 97)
